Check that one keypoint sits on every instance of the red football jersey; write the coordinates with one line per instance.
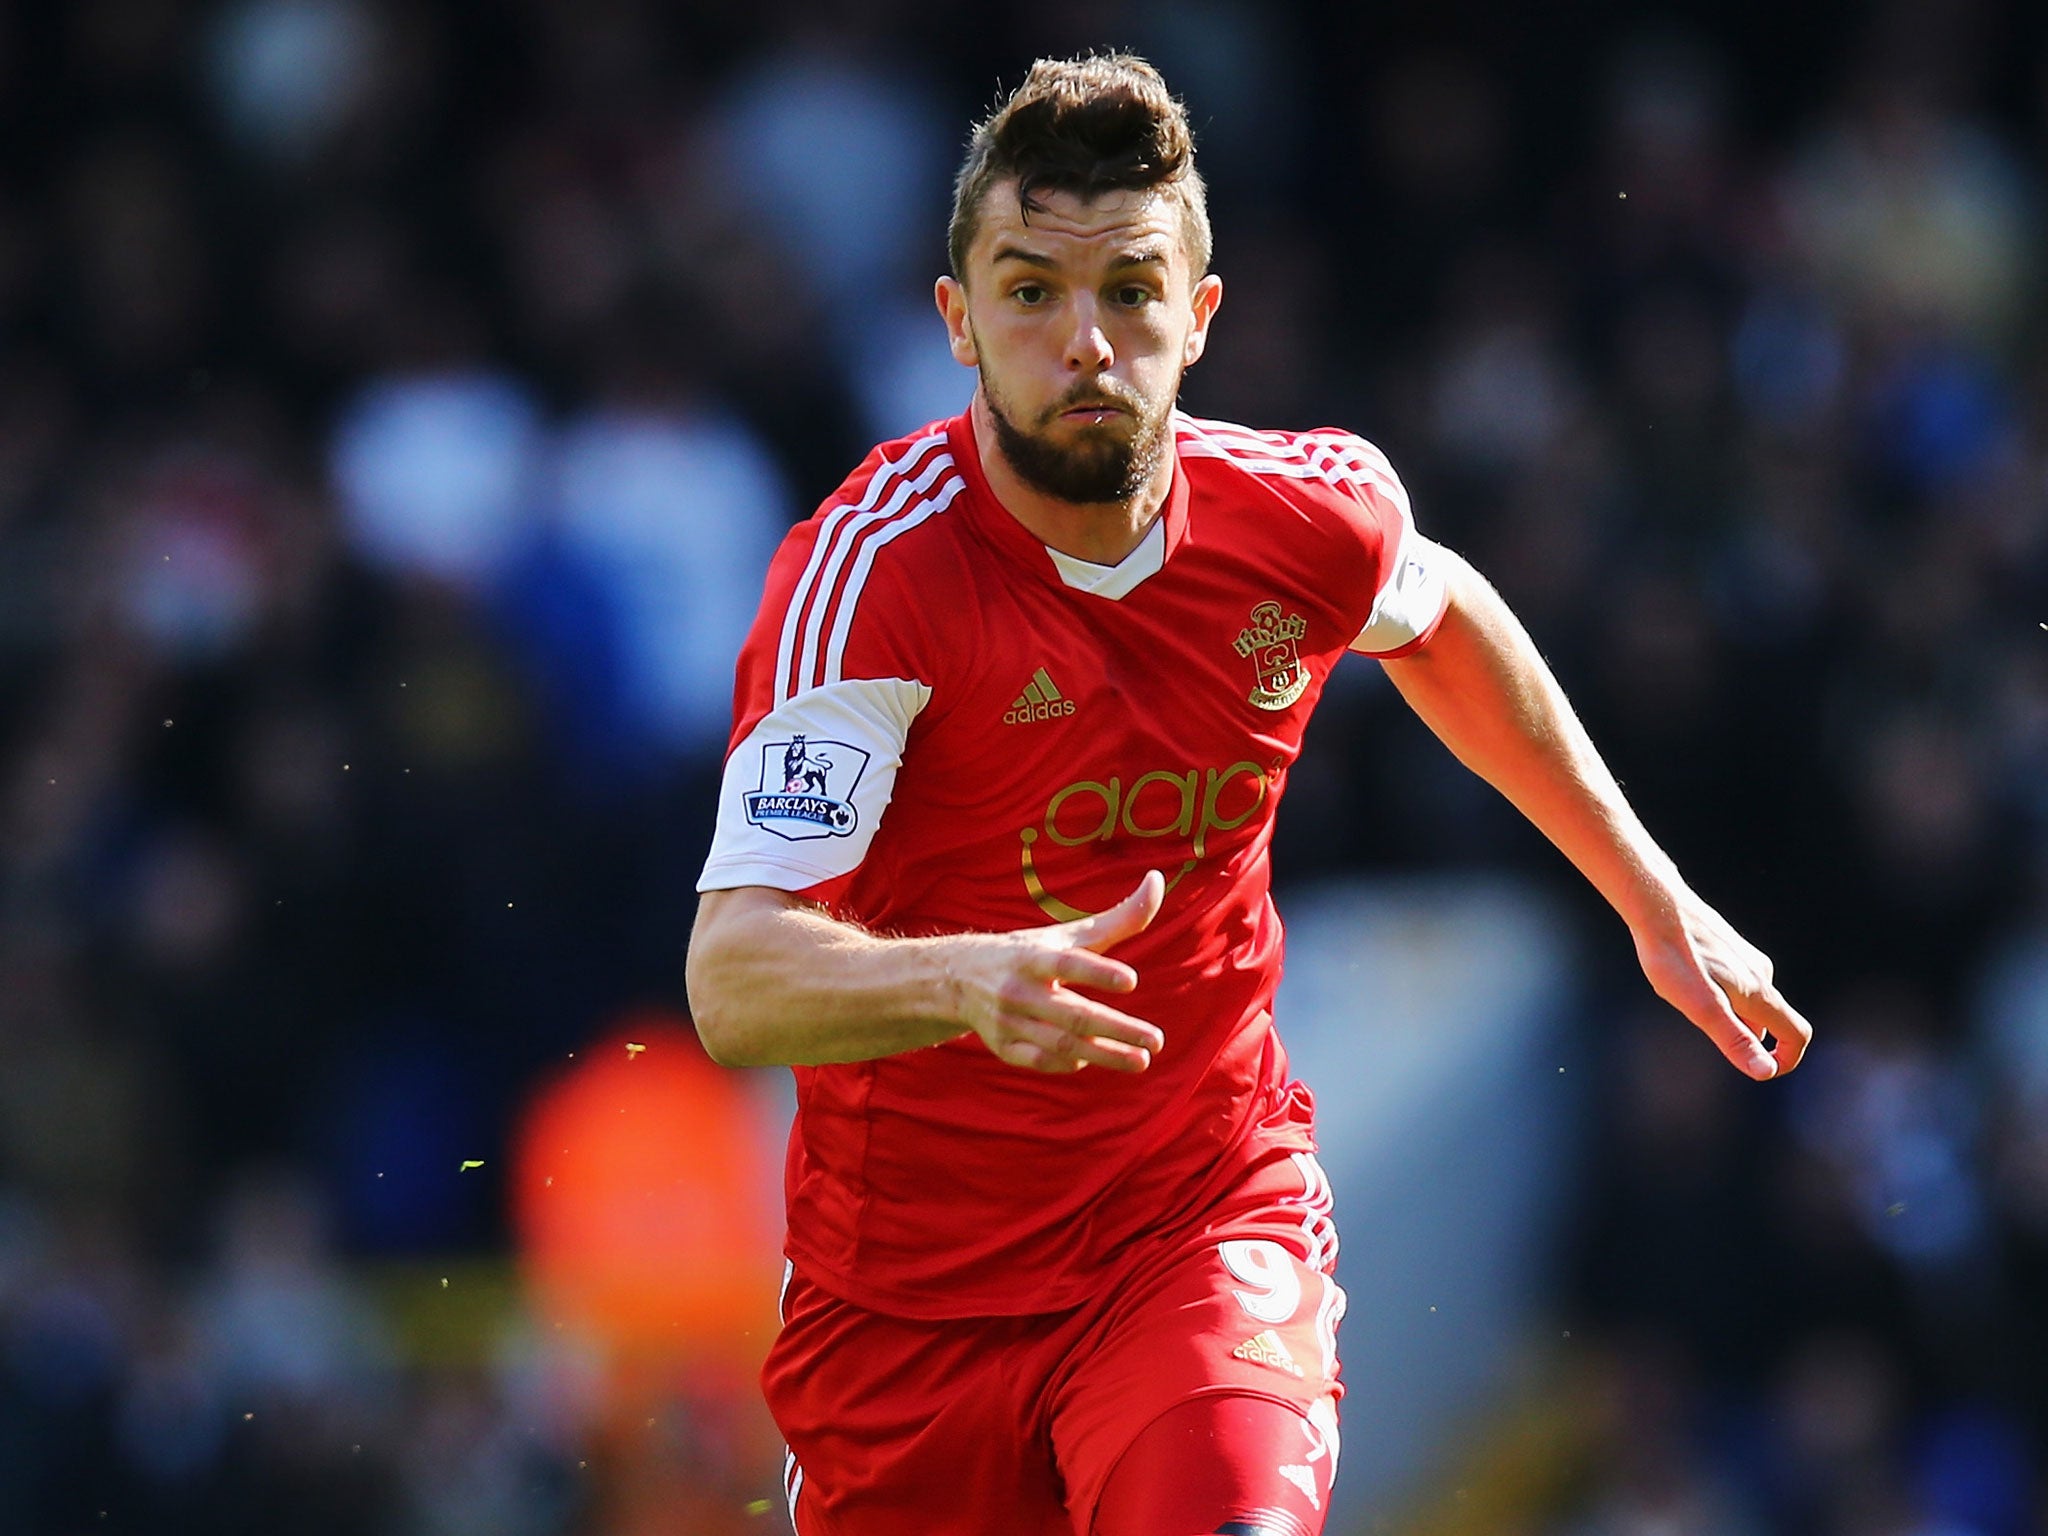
(943, 726)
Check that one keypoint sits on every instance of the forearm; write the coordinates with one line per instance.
(775, 982)
(1484, 689)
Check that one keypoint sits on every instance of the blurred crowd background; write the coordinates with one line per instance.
(398, 402)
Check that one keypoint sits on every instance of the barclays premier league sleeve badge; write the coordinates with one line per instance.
(807, 789)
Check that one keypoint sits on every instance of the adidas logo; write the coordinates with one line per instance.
(1305, 1480)
(1040, 700)
(1267, 1349)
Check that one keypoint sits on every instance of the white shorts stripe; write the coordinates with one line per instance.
(1329, 1313)
(792, 1485)
(1318, 1203)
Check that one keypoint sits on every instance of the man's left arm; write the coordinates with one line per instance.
(1481, 685)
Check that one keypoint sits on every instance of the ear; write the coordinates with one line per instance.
(952, 301)
(1206, 299)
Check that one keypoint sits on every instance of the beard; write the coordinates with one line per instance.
(1101, 466)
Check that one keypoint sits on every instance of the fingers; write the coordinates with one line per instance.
(1048, 1047)
(1084, 1016)
(1747, 991)
(1744, 1050)
(1766, 1012)
(1035, 1021)
(1738, 1022)
(1724, 985)
(1700, 998)
(1132, 915)
(1050, 1029)
(1084, 968)
(1043, 1047)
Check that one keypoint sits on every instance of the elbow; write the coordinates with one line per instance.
(728, 974)
(722, 1043)
(722, 1036)
(722, 1025)
(702, 995)
(726, 1039)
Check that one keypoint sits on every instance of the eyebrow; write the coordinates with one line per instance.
(1018, 253)
(1140, 256)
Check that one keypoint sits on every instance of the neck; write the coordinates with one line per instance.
(1102, 532)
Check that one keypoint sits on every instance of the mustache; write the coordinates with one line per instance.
(1094, 396)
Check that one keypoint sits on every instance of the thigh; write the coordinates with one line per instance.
(1221, 1463)
(1248, 1308)
(898, 1425)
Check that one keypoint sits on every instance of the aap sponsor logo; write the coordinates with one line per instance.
(807, 789)
(1190, 804)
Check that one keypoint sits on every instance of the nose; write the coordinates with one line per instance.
(1088, 349)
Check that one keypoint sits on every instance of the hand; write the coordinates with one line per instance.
(1714, 976)
(1012, 989)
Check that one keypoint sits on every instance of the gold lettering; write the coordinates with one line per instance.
(1059, 911)
(1048, 903)
(1213, 793)
(1120, 811)
(1182, 824)
(1111, 795)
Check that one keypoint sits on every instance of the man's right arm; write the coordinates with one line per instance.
(773, 980)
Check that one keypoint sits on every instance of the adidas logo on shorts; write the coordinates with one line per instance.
(1040, 700)
(1267, 1349)
(1304, 1479)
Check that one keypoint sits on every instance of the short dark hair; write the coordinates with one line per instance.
(1090, 125)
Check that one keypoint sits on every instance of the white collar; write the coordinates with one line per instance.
(1114, 581)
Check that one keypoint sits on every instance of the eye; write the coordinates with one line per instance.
(1133, 296)
(1028, 294)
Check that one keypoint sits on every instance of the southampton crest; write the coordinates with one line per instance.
(807, 789)
(1269, 642)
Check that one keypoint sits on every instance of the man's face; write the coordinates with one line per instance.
(1081, 322)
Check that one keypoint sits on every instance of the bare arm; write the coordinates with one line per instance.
(773, 980)
(1481, 685)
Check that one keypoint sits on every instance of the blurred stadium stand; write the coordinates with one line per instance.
(397, 400)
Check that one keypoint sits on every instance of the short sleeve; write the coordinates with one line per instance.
(836, 670)
(1412, 589)
(1411, 604)
(805, 788)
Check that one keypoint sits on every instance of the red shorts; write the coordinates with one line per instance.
(1010, 1426)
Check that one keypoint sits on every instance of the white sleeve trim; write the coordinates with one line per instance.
(805, 791)
(1413, 598)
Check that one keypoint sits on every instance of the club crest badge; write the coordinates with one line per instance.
(1270, 643)
(807, 789)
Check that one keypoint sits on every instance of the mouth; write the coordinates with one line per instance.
(1093, 414)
